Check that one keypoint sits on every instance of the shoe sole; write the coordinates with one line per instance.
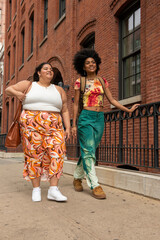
(99, 197)
(54, 199)
(77, 190)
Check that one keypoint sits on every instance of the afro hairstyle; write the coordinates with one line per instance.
(81, 56)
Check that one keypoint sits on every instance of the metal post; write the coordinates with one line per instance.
(156, 164)
(120, 137)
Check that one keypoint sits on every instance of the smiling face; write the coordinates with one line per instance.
(46, 72)
(90, 66)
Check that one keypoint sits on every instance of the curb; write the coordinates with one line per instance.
(11, 155)
(146, 184)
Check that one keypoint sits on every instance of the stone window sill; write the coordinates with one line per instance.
(43, 41)
(127, 101)
(12, 76)
(30, 56)
(14, 16)
(22, 2)
(59, 21)
(21, 66)
(9, 28)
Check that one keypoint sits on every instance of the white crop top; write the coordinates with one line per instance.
(43, 98)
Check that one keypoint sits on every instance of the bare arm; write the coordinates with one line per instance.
(117, 104)
(65, 113)
(75, 106)
(75, 112)
(18, 89)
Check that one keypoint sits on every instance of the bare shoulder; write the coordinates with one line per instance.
(60, 89)
(62, 93)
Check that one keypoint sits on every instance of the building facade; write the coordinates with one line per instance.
(125, 33)
(2, 37)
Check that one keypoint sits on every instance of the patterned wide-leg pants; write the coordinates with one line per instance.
(43, 144)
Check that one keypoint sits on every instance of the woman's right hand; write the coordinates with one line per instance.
(74, 131)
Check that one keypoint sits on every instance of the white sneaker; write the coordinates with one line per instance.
(55, 194)
(36, 194)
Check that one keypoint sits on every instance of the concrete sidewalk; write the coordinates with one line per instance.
(146, 184)
(122, 216)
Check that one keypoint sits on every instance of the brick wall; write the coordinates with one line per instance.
(64, 39)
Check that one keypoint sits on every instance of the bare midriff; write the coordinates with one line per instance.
(95, 108)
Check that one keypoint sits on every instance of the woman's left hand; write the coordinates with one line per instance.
(67, 134)
(134, 107)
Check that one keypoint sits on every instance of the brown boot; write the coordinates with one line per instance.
(77, 183)
(98, 193)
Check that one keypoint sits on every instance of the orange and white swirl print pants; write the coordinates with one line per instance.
(43, 144)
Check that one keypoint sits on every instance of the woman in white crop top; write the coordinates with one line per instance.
(42, 132)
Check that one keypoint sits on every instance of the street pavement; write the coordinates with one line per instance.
(122, 216)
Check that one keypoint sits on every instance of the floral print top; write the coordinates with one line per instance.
(94, 94)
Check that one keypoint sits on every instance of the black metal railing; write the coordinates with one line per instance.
(2, 141)
(129, 139)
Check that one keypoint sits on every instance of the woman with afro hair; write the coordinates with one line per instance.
(91, 120)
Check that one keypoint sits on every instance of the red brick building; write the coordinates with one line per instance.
(125, 33)
(2, 36)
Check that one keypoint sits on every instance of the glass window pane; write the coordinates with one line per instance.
(138, 84)
(128, 45)
(129, 86)
(138, 63)
(137, 42)
(126, 88)
(127, 25)
(129, 67)
(137, 18)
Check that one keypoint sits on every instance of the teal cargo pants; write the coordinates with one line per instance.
(90, 131)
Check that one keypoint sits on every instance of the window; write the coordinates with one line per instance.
(10, 11)
(62, 7)
(12, 109)
(130, 68)
(14, 56)
(45, 18)
(9, 63)
(23, 40)
(89, 41)
(0, 14)
(31, 32)
(7, 113)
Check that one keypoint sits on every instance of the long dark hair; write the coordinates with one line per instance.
(81, 56)
(38, 69)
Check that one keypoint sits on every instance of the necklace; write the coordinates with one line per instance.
(90, 80)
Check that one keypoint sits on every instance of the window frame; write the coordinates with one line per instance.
(23, 44)
(31, 32)
(14, 54)
(128, 11)
(9, 64)
(10, 12)
(45, 20)
(89, 41)
(62, 8)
